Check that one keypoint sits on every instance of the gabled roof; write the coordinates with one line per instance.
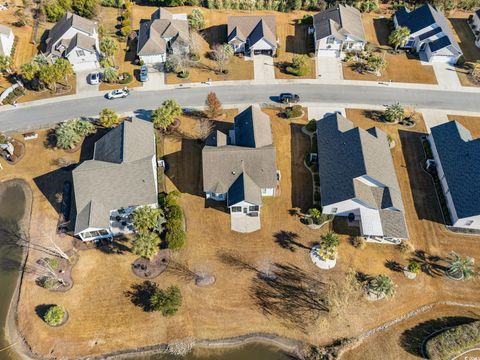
(153, 34)
(356, 164)
(68, 21)
(459, 155)
(426, 16)
(340, 21)
(253, 28)
(252, 128)
(244, 189)
(81, 41)
(122, 173)
(255, 155)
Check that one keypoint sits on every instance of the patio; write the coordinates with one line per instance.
(245, 223)
(121, 221)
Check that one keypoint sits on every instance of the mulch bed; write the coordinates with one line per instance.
(149, 269)
(88, 245)
(18, 152)
(64, 271)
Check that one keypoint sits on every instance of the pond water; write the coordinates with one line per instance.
(12, 208)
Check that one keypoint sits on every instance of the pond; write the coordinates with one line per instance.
(12, 210)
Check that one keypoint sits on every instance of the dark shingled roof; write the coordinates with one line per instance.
(244, 189)
(347, 153)
(460, 159)
(425, 16)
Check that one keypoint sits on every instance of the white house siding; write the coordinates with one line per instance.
(6, 43)
(154, 59)
(245, 209)
(268, 192)
(91, 234)
(262, 44)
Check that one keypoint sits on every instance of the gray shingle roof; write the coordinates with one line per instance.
(253, 28)
(115, 179)
(460, 159)
(82, 41)
(244, 189)
(340, 22)
(153, 34)
(223, 164)
(346, 153)
(68, 21)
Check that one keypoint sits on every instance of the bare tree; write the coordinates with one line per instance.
(222, 53)
(204, 128)
(196, 43)
(179, 60)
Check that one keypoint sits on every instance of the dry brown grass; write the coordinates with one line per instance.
(472, 123)
(400, 67)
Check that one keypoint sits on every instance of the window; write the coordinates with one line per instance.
(236, 209)
(334, 210)
(469, 222)
(330, 40)
(253, 208)
(80, 53)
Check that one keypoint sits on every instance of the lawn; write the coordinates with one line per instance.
(466, 40)
(237, 303)
(401, 67)
(293, 39)
(472, 123)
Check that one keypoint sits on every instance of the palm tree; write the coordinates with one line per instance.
(64, 68)
(67, 137)
(146, 245)
(5, 63)
(382, 286)
(399, 37)
(461, 268)
(394, 113)
(108, 46)
(108, 118)
(30, 70)
(145, 219)
(376, 63)
(330, 241)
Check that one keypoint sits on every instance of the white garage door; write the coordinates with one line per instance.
(89, 65)
(443, 59)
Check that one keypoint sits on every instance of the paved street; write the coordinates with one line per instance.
(30, 116)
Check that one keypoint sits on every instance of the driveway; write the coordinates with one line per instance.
(446, 76)
(263, 68)
(83, 87)
(329, 68)
(156, 78)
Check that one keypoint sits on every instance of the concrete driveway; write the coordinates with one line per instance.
(83, 87)
(263, 69)
(329, 68)
(156, 78)
(446, 76)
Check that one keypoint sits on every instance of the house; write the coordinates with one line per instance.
(252, 35)
(358, 179)
(76, 39)
(157, 36)
(474, 23)
(430, 34)
(337, 30)
(240, 168)
(121, 176)
(6, 40)
(456, 156)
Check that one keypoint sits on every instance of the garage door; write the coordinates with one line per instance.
(443, 59)
(89, 65)
(262, 52)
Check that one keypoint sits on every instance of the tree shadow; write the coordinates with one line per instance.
(288, 240)
(302, 183)
(429, 263)
(393, 265)
(374, 115)
(290, 294)
(42, 309)
(182, 271)
(140, 294)
(143, 114)
(412, 340)
(236, 261)
(382, 30)
(423, 190)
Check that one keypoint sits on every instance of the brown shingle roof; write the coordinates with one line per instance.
(252, 27)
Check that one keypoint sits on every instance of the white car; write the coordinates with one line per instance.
(94, 78)
(119, 93)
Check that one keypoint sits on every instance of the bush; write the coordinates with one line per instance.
(311, 125)
(47, 282)
(405, 246)
(110, 75)
(175, 235)
(125, 78)
(358, 242)
(183, 74)
(53, 263)
(112, 3)
(16, 93)
(414, 267)
(293, 112)
(167, 301)
(175, 213)
(452, 342)
(299, 65)
(54, 315)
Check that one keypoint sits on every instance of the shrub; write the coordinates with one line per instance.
(110, 75)
(53, 263)
(54, 315)
(166, 301)
(293, 112)
(414, 267)
(311, 125)
(125, 78)
(358, 242)
(183, 74)
(175, 212)
(405, 246)
(394, 113)
(451, 342)
(299, 65)
(172, 198)
(175, 235)
(112, 3)
(47, 282)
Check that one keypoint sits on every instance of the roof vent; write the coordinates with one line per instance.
(233, 172)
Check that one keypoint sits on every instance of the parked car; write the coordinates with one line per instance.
(143, 73)
(94, 78)
(119, 93)
(287, 98)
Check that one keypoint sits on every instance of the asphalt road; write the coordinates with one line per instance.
(35, 116)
